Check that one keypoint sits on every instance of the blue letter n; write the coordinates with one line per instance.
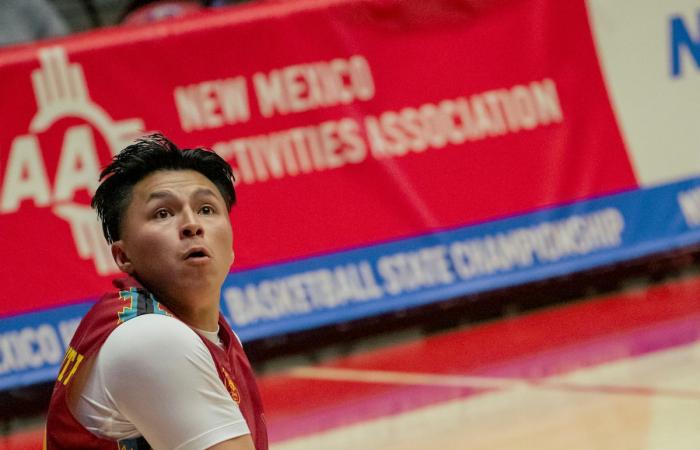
(680, 38)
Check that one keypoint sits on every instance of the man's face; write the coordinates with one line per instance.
(176, 235)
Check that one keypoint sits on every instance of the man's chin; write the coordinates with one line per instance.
(202, 278)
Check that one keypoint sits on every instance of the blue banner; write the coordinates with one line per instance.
(391, 276)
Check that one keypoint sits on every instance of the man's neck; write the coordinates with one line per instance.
(207, 320)
(199, 310)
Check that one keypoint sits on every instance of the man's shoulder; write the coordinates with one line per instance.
(153, 337)
(113, 310)
(149, 329)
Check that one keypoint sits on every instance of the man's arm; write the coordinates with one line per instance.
(240, 443)
(160, 381)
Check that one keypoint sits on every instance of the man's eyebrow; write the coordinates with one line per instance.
(203, 192)
(156, 195)
(200, 192)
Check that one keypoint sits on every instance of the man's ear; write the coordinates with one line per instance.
(121, 258)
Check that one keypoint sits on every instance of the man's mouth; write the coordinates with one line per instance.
(196, 253)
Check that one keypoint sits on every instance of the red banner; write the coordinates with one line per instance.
(348, 123)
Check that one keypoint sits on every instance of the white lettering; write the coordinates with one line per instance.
(689, 202)
(25, 176)
(302, 293)
(78, 167)
(546, 242)
(455, 121)
(411, 271)
(328, 145)
(212, 104)
(304, 87)
(29, 347)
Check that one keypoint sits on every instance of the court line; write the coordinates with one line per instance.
(477, 382)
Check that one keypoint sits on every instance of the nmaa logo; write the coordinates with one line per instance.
(61, 92)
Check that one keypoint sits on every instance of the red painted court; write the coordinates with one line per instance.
(617, 372)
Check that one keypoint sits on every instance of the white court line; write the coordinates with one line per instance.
(551, 414)
(408, 378)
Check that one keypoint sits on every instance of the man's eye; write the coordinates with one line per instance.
(162, 214)
(206, 210)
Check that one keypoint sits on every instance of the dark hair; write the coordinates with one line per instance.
(147, 155)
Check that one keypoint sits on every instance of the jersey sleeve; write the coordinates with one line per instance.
(161, 377)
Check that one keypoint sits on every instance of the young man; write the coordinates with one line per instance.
(154, 364)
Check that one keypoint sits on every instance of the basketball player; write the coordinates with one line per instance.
(154, 364)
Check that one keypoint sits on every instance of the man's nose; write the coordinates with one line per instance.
(191, 226)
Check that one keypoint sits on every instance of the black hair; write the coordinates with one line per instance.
(147, 155)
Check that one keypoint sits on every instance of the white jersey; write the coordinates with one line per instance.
(154, 377)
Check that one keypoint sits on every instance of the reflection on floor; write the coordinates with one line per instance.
(615, 373)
